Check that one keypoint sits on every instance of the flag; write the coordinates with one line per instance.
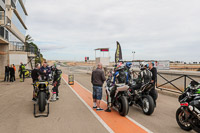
(118, 53)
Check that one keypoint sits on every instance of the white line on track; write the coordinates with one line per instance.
(92, 111)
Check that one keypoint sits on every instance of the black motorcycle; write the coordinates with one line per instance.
(188, 115)
(141, 97)
(118, 95)
(42, 95)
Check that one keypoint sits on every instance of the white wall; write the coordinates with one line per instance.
(17, 58)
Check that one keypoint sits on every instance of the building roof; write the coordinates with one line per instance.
(102, 49)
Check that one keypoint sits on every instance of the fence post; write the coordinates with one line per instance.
(185, 80)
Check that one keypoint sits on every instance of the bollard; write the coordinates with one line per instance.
(71, 79)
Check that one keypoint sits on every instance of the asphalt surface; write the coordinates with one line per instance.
(68, 115)
(163, 119)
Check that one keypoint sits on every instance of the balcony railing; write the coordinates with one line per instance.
(13, 4)
(18, 46)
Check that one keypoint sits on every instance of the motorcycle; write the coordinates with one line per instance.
(42, 96)
(118, 95)
(188, 114)
(141, 97)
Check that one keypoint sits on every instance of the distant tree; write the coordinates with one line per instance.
(28, 38)
(29, 44)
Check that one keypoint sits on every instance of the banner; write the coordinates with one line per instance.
(118, 53)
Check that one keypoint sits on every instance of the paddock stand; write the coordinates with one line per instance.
(36, 116)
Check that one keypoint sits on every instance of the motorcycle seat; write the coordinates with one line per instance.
(119, 85)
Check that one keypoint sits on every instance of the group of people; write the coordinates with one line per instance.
(42, 73)
(11, 70)
(10, 73)
(147, 74)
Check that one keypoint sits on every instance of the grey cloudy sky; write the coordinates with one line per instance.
(155, 29)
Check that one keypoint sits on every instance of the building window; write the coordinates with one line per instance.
(2, 32)
(2, 16)
(6, 35)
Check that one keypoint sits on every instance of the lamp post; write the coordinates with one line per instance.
(133, 52)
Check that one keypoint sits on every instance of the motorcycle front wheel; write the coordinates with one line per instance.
(123, 106)
(180, 118)
(147, 105)
(42, 101)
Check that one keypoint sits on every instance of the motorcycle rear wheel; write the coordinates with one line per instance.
(180, 120)
(147, 105)
(42, 101)
(123, 106)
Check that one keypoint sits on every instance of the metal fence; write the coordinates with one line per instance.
(172, 81)
(18, 46)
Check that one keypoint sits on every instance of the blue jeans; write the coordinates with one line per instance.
(97, 92)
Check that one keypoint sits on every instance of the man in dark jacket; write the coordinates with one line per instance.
(153, 92)
(12, 72)
(6, 73)
(45, 69)
(97, 80)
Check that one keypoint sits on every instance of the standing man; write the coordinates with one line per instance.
(22, 71)
(7, 69)
(45, 69)
(153, 91)
(12, 71)
(56, 84)
(97, 80)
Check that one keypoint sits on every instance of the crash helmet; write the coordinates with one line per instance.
(120, 66)
(143, 65)
(128, 64)
(120, 60)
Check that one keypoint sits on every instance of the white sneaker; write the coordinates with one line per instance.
(53, 98)
(57, 97)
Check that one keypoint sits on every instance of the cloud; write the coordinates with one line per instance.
(166, 29)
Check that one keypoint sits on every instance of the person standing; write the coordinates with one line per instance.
(22, 71)
(14, 71)
(45, 69)
(56, 84)
(153, 93)
(97, 80)
(7, 70)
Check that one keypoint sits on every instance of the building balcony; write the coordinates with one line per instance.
(4, 21)
(18, 46)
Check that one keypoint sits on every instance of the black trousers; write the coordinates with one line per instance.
(22, 74)
(11, 77)
(6, 76)
(154, 94)
(14, 76)
(55, 89)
